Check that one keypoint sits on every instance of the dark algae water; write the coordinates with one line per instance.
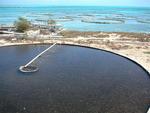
(71, 79)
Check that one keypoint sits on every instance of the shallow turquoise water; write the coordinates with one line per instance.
(116, 19)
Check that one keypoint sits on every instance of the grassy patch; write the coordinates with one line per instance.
(147, 52)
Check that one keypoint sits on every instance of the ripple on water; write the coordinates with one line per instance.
(71, 79)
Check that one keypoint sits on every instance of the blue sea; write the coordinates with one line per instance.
(84, 18)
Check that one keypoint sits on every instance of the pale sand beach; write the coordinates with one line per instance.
(135, 46)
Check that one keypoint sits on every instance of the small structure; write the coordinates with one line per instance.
(42, 29)
(8, 28)
(48, 28)
(19, 35)
(49, 25)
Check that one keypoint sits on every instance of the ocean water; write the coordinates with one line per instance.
(85, 18)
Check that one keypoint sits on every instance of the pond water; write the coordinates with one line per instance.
(71, 79)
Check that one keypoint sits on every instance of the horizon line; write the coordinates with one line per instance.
(21, 5)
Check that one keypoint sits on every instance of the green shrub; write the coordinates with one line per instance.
(51, 22)
(22, 24)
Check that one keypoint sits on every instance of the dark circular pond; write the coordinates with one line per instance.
(71, 79)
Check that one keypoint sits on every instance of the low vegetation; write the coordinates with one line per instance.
(148, 52)
(51, 22)
(22, 24)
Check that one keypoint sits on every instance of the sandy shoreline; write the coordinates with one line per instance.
(135, 46)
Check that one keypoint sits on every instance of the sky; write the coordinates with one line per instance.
(142, 3)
